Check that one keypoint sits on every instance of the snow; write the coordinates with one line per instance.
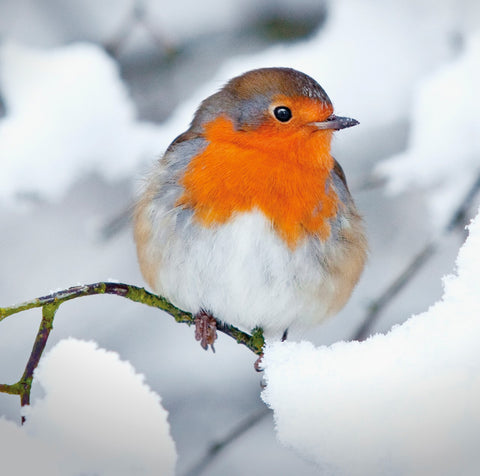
(404, 403)
(443, 155)
(67, 113)
(51, 24)
(16, 443)
(97, 417)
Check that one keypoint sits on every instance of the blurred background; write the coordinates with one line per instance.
(92, 92)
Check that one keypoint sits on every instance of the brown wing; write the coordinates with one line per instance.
(187, 135)
(337, 169)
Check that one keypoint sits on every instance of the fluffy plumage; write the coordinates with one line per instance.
(250, 218)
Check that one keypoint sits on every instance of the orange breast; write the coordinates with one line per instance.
(283, 175)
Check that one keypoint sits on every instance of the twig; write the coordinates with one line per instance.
(212, 451)
(23, 387)
(458, 217)
(377, 306)
(456, 220)
(51, 303)
(138, 16)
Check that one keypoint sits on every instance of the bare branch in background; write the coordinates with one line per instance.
(457, 220)
(215, 448)
(138, 17)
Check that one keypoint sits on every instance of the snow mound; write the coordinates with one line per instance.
(404, 403)
(97, 417)
(67, 113)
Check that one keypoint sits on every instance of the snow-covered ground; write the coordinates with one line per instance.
(73, 150)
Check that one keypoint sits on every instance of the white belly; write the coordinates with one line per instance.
(244, 274)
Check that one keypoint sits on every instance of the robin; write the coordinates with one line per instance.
(247, 217)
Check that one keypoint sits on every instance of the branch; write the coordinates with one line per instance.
(138, 16)
(52, 302)
(457, 220)
(216, 447)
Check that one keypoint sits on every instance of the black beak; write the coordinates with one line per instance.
(336, 123)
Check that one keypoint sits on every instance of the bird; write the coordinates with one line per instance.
(247, 218)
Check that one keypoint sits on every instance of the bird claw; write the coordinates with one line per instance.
(205, 330)
(258, 363)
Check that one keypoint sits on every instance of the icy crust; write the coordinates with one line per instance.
(404, 403)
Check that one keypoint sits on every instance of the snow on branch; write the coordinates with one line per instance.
(404, 403)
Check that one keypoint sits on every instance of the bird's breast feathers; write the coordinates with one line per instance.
(287, 179)
(242, 268)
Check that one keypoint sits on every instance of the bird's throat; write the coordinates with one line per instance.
(285, 176)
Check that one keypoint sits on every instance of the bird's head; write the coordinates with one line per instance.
(279, 102)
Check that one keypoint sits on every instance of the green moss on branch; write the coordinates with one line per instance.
(52, 302)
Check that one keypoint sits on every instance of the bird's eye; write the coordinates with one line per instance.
(282, 113)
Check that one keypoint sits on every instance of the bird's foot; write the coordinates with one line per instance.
(205, 330)
(258, 363)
